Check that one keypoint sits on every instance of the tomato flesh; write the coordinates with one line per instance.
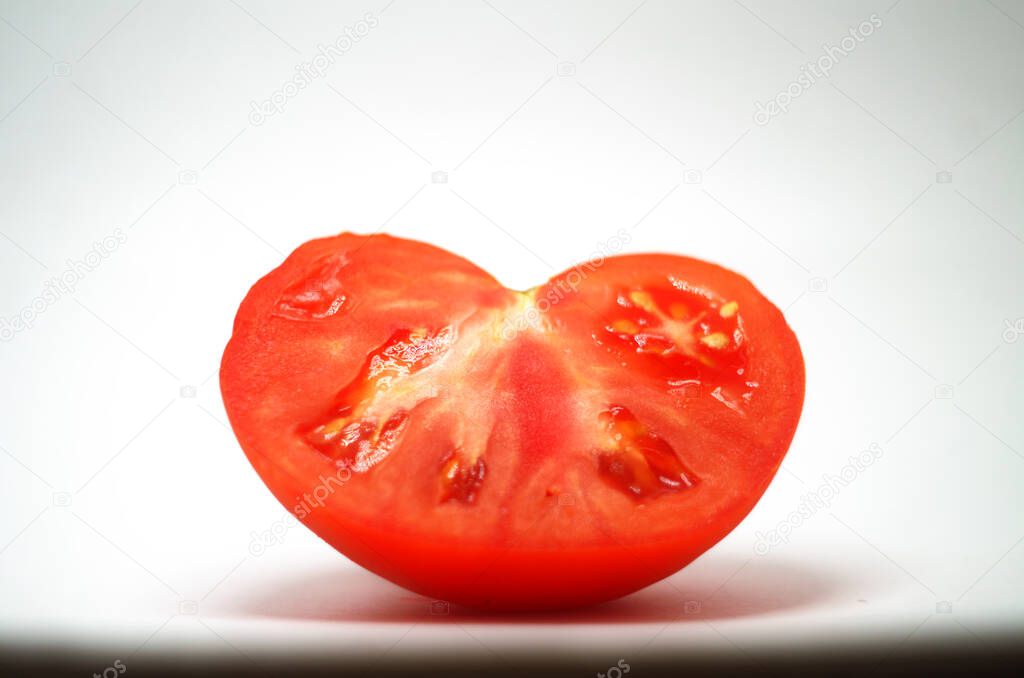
(503, 449)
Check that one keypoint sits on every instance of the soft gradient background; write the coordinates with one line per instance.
(883, 211)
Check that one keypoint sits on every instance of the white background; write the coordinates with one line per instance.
(883, 211)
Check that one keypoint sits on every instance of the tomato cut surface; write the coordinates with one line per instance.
(505, 449)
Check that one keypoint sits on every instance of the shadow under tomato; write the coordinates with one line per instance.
(712, 588)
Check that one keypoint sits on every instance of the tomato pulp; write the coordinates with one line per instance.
(504, 449)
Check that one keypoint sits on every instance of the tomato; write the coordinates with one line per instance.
(503, 449)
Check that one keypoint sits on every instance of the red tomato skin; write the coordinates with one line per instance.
(502, 579)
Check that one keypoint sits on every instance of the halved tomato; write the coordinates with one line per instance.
(503, 449)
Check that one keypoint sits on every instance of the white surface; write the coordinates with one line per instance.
(150, 133)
